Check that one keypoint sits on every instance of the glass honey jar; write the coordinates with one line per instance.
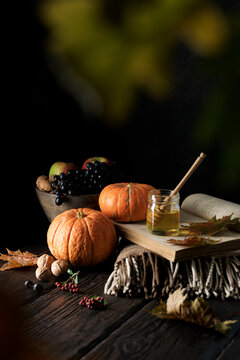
(163, 212)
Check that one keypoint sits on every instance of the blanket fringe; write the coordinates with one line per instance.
(149, 275)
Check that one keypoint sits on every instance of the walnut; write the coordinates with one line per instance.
(43, 274)
(45, 261)
(43, 183)
(59, 267)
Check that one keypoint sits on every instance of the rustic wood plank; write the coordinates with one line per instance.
(148, 337)
(228, 242)
(12, 281)
(54, 323)
(232, 351)
(59, 328)
(62, 326)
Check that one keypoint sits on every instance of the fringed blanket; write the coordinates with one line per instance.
(139, 272)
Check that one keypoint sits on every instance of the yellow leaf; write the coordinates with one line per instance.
(197, 311)
(174, 301)
(16, 259)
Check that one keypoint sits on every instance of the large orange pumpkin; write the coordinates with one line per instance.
(82, 236)
(125, 202)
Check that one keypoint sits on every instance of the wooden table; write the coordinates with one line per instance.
(54, 326)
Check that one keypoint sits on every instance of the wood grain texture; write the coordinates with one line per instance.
(137, 233)
(232, 350)
(145, 336)
(60, 318)
(58, 328)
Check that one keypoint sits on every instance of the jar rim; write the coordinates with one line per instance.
(163, 193)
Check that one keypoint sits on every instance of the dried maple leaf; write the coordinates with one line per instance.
(213, 225)
(16, 259)
(193, 241)
(197, 311)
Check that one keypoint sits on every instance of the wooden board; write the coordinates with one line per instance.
(53, 326)
(145, 336)
(137, 233)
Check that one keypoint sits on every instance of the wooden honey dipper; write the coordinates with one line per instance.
(184, 179)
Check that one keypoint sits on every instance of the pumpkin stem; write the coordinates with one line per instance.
(129, 185)
(81, 214)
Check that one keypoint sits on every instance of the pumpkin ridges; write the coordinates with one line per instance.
(119, 198)
(113, 234)
(110, 187)
(79, 244)
(53, 230)
(97, 252)
(129, 201)
(68, 240)
(125, 202)
(51, 234)
(86, 211)
(113, 230)
(105, 248)
(146, 187)
(104, 194)
(86, 220)
(130, 191)
(59, 218)
(134, 203)
(62, 234)
(114, 204)
(143, 193)
(82, 241)
(86, 242)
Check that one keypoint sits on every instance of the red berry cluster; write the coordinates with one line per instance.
(94, 303)
(68, 287)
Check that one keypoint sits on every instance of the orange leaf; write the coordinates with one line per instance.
(213, 225)
(16, 259)
(193, 241)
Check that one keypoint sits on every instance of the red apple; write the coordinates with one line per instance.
(60, 167)
(93, 159)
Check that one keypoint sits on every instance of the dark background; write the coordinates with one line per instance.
(43, 124)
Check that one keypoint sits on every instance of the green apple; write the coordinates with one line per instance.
(60, 167)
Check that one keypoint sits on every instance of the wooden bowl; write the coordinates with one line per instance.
(51, 210)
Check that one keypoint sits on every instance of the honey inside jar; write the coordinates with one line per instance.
(163, 214)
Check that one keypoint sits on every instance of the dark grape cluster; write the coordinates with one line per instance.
(94, 303)
(88, 181)
(71, 287)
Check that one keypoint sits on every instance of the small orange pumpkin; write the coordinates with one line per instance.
(125, 202)
(83, 237)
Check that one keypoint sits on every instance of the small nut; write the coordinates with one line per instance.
(43, 274)
(43, 183)
(59, 267)
(45, 261)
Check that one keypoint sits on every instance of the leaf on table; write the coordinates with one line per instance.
(16, 259)
(213, 225)
(197, 311)
(193, 241)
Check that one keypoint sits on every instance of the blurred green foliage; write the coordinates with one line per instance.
(119, 57)
(120, 47)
